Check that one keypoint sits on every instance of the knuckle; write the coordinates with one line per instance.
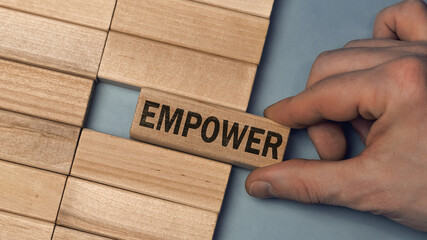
(307, 192)
(414, 6)
(409, 79)
(320, 62)
(382, 14)
(411, 71)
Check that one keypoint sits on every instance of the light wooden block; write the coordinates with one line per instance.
(194, 25)
(14, 227)
(117, 213)
(50, 43)
(30, 192)
(260, 8)
(44, 93)
(37, 142)
(93, 13)
(207, 130)
(141, 62)
(151, 170)
(62, 233)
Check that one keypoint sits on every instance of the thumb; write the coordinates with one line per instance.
(310, 181)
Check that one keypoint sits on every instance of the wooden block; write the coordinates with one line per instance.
(194, 25)
(18, 227)
(151, 170)
(30, 192)
(44, 93)
(260, 8)
(94, 13)
(37, 142)
(141, 62)
(62, 233)
(117, 213)
(207, 130)
(50, 43)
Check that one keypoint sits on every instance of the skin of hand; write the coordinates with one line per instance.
(379, 85)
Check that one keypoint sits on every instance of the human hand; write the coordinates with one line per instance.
(380, 87)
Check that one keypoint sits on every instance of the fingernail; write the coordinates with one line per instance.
(261, 189)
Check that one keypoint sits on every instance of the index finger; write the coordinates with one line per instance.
(338, 98)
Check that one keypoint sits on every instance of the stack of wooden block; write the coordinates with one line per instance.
(60, 181)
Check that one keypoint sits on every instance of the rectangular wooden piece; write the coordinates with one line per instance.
(37, 142)
(62, 233)
(15, 227)
(151, 170)
(30, 192)
(194, 25)
(145, 63)
(260, 8)
(50, 43)
(207, 130)
(44, 93)
(93, 13)
(117, 213)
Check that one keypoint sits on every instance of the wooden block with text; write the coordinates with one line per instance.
(44, 93)
(30, 192)
(116, 213)
(194, 25)
(207, 130)
(260, 8)
(151, 170)
(62, 233)
(37, 142)
(140, 62)
(14, 227)
(50, 43)
(93, 13)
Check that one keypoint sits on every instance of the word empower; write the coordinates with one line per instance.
(209, 128)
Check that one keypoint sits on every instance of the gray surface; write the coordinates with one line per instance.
(299, 31)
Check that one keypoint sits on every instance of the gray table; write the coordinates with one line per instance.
(299, 31)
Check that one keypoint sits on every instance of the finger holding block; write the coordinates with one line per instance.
(207, 130)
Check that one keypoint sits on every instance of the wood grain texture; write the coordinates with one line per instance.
(50, 43)
(44, 93)
(94, 13)
(30, 192)
(260, 8)
(116, 213)
(141, 62)
(37, 142)
(194, 25)
(62, 233)
(151, 170)
(13, 227)
(207, 130)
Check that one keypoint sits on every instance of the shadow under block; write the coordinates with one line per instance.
(44, 93)
(260, 8)
(94, 13)
(117, 213)
(207, 130)
(50, 43)
(37, 142)
(14, 227)
(62, 233)
(30, 192)
(145, 63)
(194, 25)
(151, 170)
